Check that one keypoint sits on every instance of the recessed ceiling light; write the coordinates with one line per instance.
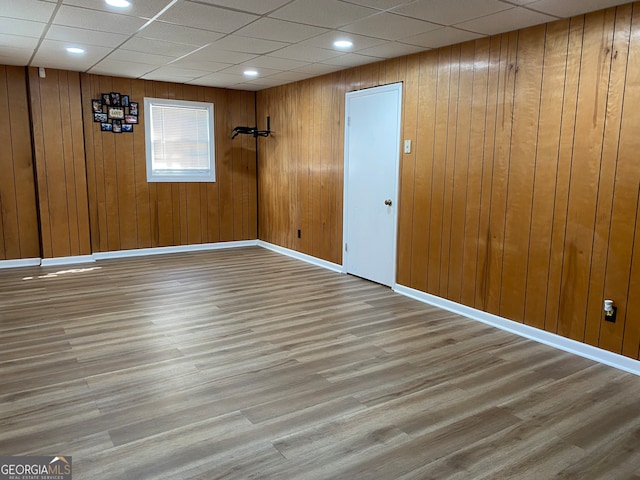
(343, 44)
(251, 73)
(75, 50)
(118, 3)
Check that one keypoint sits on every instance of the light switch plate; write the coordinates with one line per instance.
(407, 146)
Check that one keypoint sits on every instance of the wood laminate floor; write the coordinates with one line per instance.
(247, 364)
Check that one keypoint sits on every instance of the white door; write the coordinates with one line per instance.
(372, 149)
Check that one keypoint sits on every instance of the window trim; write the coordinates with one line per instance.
(176, 176)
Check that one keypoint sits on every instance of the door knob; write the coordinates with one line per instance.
(387, 202)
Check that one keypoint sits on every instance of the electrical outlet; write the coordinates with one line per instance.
(407, 146)
(611, 316)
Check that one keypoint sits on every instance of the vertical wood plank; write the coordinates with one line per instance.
(338, 152)
(100, 187)
(484, 228)
(475, 166)
(9, 230)
(225, 172)
(546, 167)
(521, 171)
(460, 173)
(110, 179)
(504, 125)
(52, 168)
(406, 195)
(585, 166)
(212, 191)
(142, 188)
(251, 174)
(89, 137)
(624, 209)
(438, 175)
(236, 172)
(125, 179)
(19, 126)
(561, 193)
(316, 169)
(424, 145)
(449, 170)
(608, 163)
(65, 78)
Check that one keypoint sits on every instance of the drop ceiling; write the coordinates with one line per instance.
(212, 42)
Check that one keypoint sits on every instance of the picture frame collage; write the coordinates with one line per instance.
(115, 112)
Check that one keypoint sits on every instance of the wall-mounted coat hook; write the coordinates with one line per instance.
(252, 131)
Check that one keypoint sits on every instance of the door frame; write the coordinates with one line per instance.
(396, 181)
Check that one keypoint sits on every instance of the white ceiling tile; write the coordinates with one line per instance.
(218, 80)
(318, 68)
(389, 26)
(14, 56)
(179, 34)
(212, 54)
(140, 57)
(25, 28)
(379, 4)
(306, 53)
(159, 76)
(239, 70)
(15, 41)
(274, 63)
(291, 76)
(327, 13)
(53, 54)
(265, 82)
(441, 37)
(360, 42)
(569, 8)
(279, 30)
(252, 6)
(505, 21)
(448, 12)
(27, 10)
(158, 47)
(518, 2)
(252, 86)
(173, 71)
(236, 43)
(199, 65)
(95, 20)
(351, 60)
(121, 68)
(137, 8)
(206, 17)
(391, 50)
(87, 37)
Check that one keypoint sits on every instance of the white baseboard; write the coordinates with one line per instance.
(140, 252)
(301, 256)
(52, 262)
(22, 262)
(582, 349)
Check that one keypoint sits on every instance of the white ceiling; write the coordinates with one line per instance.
(212, 42)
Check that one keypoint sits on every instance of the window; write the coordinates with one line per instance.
(179, 141)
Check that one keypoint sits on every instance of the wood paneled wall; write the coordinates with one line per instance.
(58, 145)
(127, 212)
(300, 167)
(18, 218)
(520, 197)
